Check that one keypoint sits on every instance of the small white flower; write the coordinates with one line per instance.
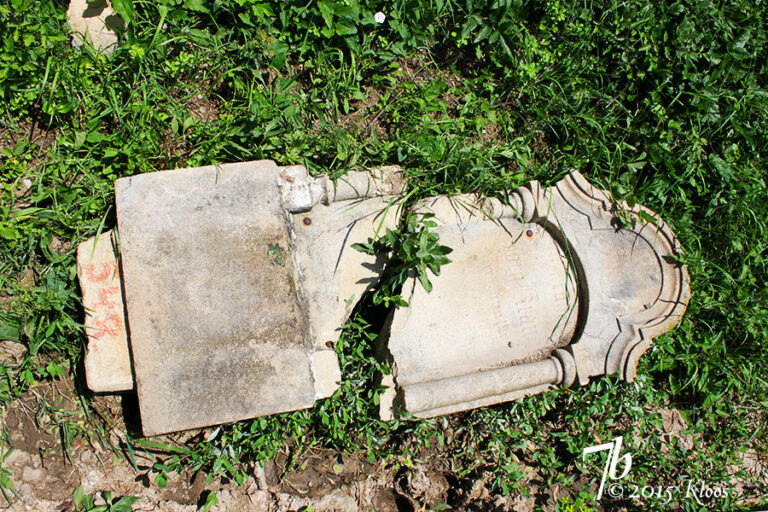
(379, 17)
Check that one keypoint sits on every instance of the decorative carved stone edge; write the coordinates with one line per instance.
(637, 329)
(533, 203)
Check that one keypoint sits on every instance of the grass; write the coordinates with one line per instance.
(665, 104)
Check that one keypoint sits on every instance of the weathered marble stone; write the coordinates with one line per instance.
(334, 275)
(94, 22)
(239, 277)
(108, 361)
(232, 298)
(541, 293)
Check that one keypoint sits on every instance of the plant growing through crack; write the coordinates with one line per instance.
(411, 250)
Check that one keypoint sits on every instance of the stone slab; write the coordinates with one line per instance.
(635, 289)
(217, 330)
(108, 360)
(507, 298)
(334, 276)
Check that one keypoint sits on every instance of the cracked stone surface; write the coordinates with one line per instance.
(333, 275)
(334, 280)
(541, 292)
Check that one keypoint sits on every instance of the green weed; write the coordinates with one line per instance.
(85, 502)
(412, 250)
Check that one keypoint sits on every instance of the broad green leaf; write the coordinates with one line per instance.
(196, 5)
(125, 9)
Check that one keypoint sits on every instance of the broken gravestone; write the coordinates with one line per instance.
(548, 290)
(237, 279)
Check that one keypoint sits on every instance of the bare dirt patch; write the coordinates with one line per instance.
(204, 108)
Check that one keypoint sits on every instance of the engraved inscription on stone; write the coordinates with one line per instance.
(480, 314)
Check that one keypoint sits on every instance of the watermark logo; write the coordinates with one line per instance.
(611, 462)
(698, 491)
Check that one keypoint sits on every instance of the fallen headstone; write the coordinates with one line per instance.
(545, 291)
(237, 280)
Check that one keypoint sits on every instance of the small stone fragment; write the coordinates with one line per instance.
(11, 353)
(94, 22)
(107, 362)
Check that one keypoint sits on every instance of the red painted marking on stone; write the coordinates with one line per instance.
(111, 325)
(105, 295)
(97, 275)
